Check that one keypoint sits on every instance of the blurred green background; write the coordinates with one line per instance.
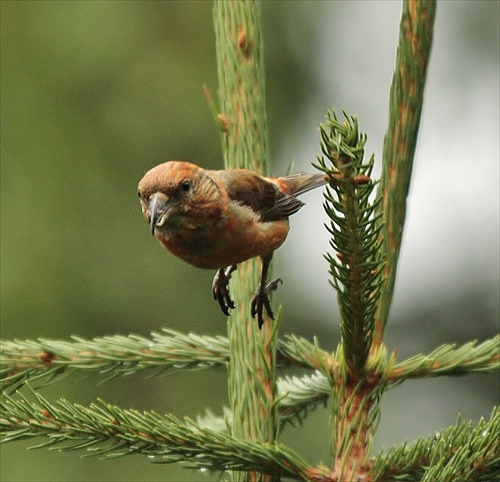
(94, 93)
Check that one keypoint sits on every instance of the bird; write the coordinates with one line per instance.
(216, 219)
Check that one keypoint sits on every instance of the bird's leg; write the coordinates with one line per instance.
(260, 300)
(220, 288)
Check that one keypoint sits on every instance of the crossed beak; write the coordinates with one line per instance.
(158, 207)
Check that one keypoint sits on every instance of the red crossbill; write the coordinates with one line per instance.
(217, 219)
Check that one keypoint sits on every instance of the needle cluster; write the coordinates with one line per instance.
(356, 260)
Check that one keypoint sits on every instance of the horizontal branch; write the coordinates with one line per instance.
(299, 395)
(109, 431)
(473, 357)
(295, 351)
(461, 453)
(33, 360)
(43, 359)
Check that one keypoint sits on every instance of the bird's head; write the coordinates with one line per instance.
(177, 195)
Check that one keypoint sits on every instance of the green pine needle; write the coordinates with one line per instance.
(461, 453)
(356, 261)
(110, 431)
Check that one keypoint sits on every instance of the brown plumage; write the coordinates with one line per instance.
(217, 219)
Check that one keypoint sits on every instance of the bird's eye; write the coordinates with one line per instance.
(186, 186)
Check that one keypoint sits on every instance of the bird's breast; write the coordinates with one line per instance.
(239, 236)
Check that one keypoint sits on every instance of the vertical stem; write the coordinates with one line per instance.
(355, 399)
(406, 99)
(240, 67)
(243, 118)
(355, 411)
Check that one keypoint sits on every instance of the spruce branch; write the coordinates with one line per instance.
(298, 351)
(43, 361)
(461, 453)
(473, 357)
(356, 263)
(355, 412)
(240, 67)
(107, 430)
(46, 360)
(296, 397)
(405, 107)
(310, 391)
(300, 395)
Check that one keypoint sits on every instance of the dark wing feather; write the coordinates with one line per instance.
(249, 189)
(283, 208)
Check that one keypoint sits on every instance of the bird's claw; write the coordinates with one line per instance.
(220, 289)
(261, 301)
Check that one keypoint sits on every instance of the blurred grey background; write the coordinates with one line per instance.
(94, 93)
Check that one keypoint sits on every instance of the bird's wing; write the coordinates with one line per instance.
(261, 196)
(284, 207)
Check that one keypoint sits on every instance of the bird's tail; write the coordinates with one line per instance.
(300, 182)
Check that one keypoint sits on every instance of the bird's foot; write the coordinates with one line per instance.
(261, 301)
(220, 289)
